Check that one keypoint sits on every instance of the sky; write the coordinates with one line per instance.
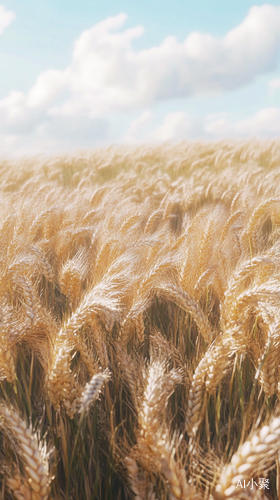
(77, 75)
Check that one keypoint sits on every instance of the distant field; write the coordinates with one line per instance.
(140, 324)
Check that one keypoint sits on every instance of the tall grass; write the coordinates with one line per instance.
(139, 323)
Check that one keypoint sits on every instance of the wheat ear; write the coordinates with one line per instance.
(87, 357)
(267, 291)
(60, 381)
(230, 222)
(99, 344)
(128, 371)
(61, 384)
(209, 373)
(252, 457)
(44, 264)
(236, 284)
(92, 390)
(153, 221)
(19, 487)
(154, 443)
(173, 473)
(7, 360)
(258, 214)
(188, 304)
(161, 344)
(136, 483)
(140, 328)
(269, 360)
(30, 299)
(159, 387)
(203, 281)
(31, 452)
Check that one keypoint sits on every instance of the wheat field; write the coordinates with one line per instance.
(140, 323)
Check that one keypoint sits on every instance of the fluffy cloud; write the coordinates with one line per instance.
(175, 126)
(107, 76)
(6, 17)
(56, 134)
(264, 123)
(178, 126)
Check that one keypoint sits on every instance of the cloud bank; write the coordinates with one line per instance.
(108, 76)
(177, 126)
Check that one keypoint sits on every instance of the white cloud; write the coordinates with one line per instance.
(56, 134)
(47, 87)
(178, 126)
(175, 126)
(107, 75)
(264, 123)
(138, 127)
(6, 17)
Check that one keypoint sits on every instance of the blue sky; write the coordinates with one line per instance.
(85, 74)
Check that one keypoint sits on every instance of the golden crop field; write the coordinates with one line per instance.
(140, 323)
